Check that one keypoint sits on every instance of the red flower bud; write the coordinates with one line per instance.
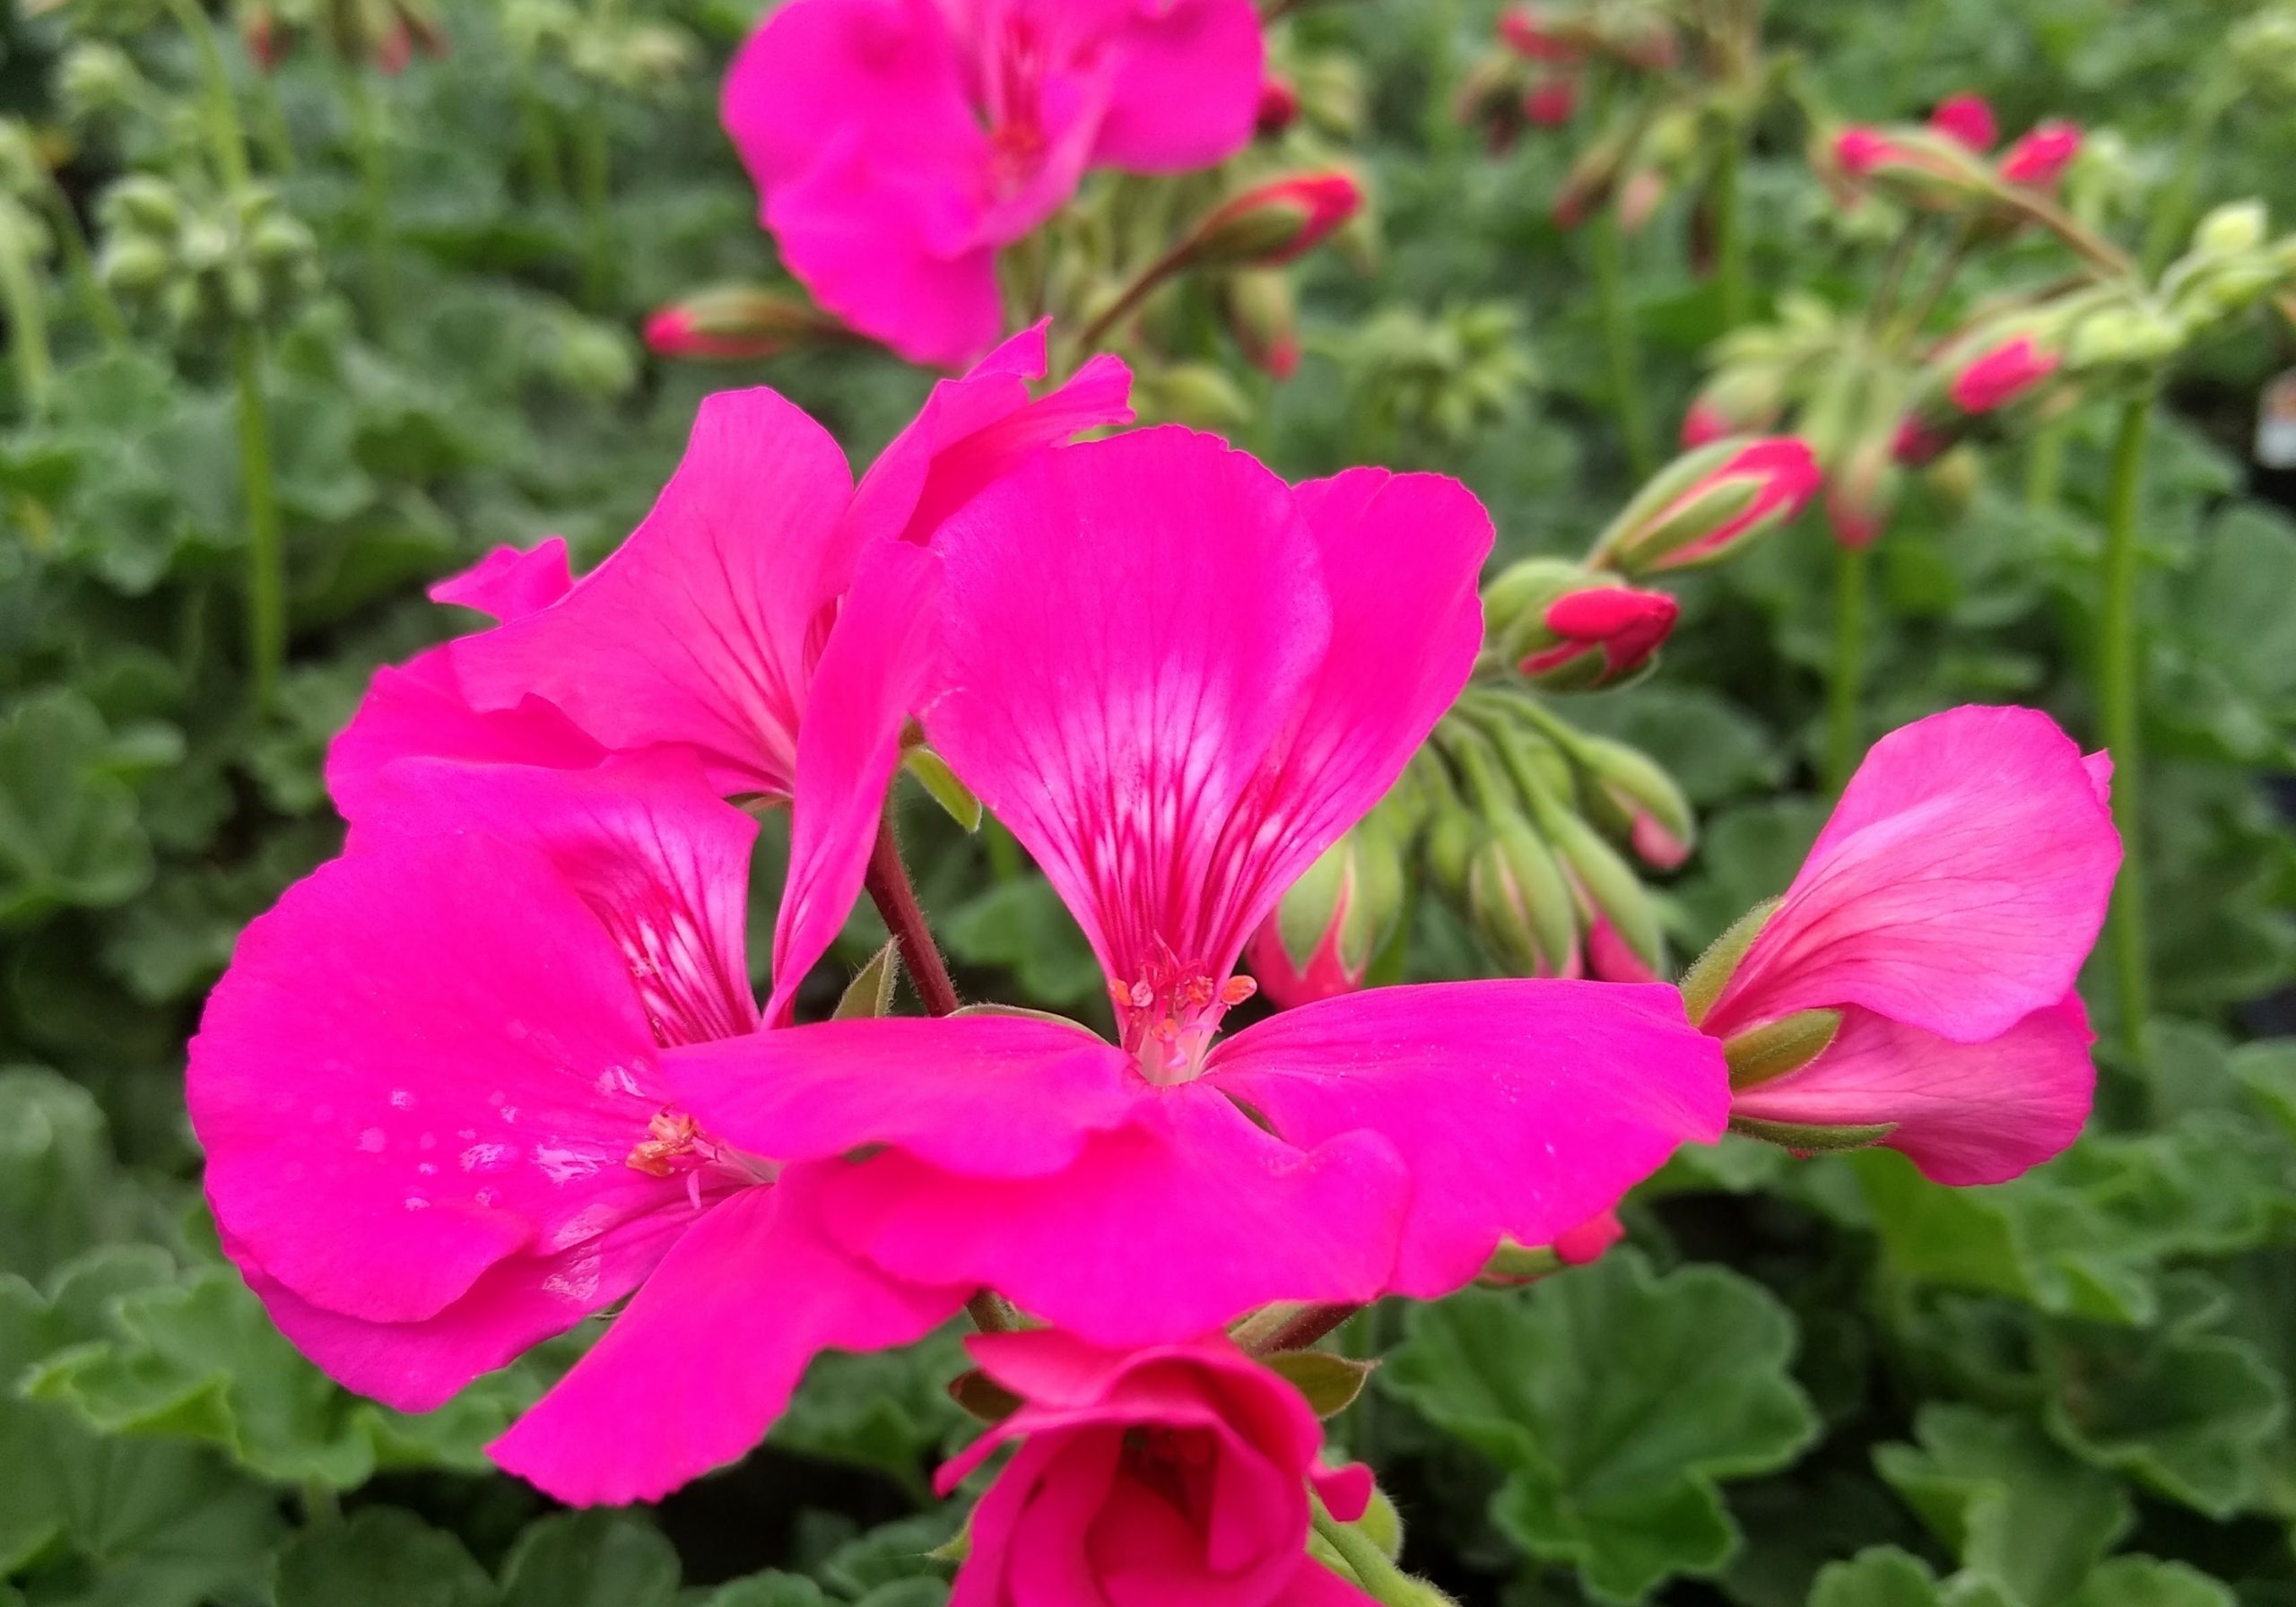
(2001, 375)
(1525, 33)
(1702, 510)
(1702, 426)
(1277, 221)
(1279, 104)
(734, 324)
(2041, 157)
(1916, 446)
(1968, 120)
(1552, 100)
(1859, 150)
(1264, 316)
(1625, 627)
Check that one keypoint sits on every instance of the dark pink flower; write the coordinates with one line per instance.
(2002, 373)
(1967, 119)
(1945, 912)
(2041, 157)
(432, 1092)
(1179, 1473)
(897, 144)
(1178, 680)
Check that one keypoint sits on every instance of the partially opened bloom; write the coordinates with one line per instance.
(768, 615)
(1178, 679)
(431, 1090)
(1942, 916)
(897, 144)
(1180, 1474)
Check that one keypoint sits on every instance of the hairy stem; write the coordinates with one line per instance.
(1852, 576)
(1729, 229)
(889, 889)
(267, 601)
(1605, 250)
(2119, 685)
(1297, 1330)
(1381, 1579)
(226, 136)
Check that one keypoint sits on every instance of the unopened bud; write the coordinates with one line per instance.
(1279, 105)
(1638, 800)
(1708, 504)
(2233, 228)
(1275, 223)
(2039, 160)
(1775, 1049)
(134, 265)
(1921, 168)
(1571, 632)
(146, 204)
(98, 80)
(1490, 99)
(1967, 120)
(736, 323)
(1744, 399)
(2001, 374)
(1552, 100)
(1333, 922)
(1331, 93)
(1521, 903)
(1639, 196)
(1511, 1265)
(1623, 943)
(1264, 316)
(2131, 334)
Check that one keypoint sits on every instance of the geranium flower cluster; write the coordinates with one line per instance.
(500, 1066)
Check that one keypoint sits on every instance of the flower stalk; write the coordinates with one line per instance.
(266, 604)
(1605, 249)
(896, 900)
(2120, 712)
(1852, 588)
(226, 134)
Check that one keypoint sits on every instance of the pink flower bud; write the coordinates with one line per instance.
(1703, 425)
(1279, 104)
(1607, 632)
(1329, 926)
(1587, 1242)
(1552, 100)
(1277, 221)
(1525, 32)
(2002, 374)
(1724, 504)
(1915, 445)
(734, 325)
(1263, 313)
(1967, 119)
(2041, 157)
(1859, 150)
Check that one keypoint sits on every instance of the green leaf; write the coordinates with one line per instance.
(1614, 1401)
(381, 1558)
(767, 1589)
(55, 1183)
(590, 1559)
(1021, 927)
(886, 1410)
(68, 830)
(2142, 1582)
(2011, 1507)
(1885, 1577)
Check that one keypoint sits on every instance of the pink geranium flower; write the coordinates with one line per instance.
(431, 1090)
(1178, 679)
(1944, 911)
(768, 615)
(897, 144)
(1179, 1473)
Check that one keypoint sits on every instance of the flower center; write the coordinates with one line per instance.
(676, 1146)
(1170, 1015)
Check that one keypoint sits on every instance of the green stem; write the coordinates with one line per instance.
(1729, 229)
(594, 175)
(2118, 697)
(2172, 218)
(79, 265)
(271, 125)
(2045, 464)
(545, 170)
(1381, 1579)
(1618, 340)
(27, 318)
(1853, 576)
(225, 132)
(370, 144)
(266, 559)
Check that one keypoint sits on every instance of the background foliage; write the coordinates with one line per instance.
(1830, 1383)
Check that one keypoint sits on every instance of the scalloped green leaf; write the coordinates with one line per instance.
(1614, 1401)
(1886, 1576)
(381, 1557)
(590, 1559)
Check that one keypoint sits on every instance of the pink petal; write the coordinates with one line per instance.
(984, 1096)
(509, 584)
(514, 1306)
(1957, 888)
(983, 1581)
(1522, 1109)
(1131, 625)
(660, 861)
(879, 665)
(974, 431)
(1162, 1230)
(422, 1062)
(1187, 87)
(1965, 1112)
(422, 711)
(703, 628)
(1345, 1491)
(697, 1367)
(1316, 1585)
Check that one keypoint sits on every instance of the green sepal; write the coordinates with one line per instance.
(1329, 1382)
(1771, 1051)
(935, 776)
(870, 994)
(1813, 1140)
(983, 1396)
(1704, 983)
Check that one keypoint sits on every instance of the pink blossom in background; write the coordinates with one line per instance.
(1946, 911)
(768, 616)
(1765, 482)
(431, 1090)
(1967, 119)
(1179, 1473)
(897, 144)
(2041, 157)
(2001, 374)
(1177, 681)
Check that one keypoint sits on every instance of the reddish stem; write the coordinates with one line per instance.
(1305, 1327)
(896, 900)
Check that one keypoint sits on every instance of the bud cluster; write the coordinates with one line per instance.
(384, 33)
(207, 261)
